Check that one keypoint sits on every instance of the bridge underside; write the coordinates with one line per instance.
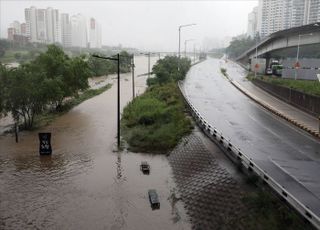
(309, 59)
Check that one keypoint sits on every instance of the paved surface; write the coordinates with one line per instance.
(286, 153)
(296, 116)
(211, 195)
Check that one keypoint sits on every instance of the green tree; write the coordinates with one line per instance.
(125, 62)
(100, 67)
(239, 45)
(25, 94)
(169, 69)
(66, 75)
(4, 45)
(3, 87)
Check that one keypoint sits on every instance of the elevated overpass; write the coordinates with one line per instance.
(284, 43)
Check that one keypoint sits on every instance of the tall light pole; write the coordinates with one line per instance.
(194, 52)
(185, 46)
(132, 70)
(118, 104)
(180, 27)
(298, 50)
(255, 69)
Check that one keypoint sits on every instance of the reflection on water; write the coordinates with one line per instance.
(84, 184)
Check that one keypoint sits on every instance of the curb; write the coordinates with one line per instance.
(273, 110)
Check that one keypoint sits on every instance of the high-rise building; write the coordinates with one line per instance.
(275, 15)
(48, 26)
(11, 33)
(270, 16)
(312, 11)
(252, 23)
(16, 26)
(23, 29)
(53, 25)
(31, 23)
(65, 30)
(79, 31)
(41, 26)
(94, 34)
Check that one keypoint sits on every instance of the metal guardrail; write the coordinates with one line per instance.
(234, 152)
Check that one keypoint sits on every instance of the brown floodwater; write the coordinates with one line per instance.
(86, 183)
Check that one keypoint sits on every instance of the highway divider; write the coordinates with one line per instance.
(240, 158)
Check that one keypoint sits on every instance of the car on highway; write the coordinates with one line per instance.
(268, 71)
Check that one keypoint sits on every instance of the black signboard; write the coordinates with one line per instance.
(45, 144)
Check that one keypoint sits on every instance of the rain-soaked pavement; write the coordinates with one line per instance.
(287, 154)
(85, 184)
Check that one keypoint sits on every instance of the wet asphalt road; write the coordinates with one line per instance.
(287, 154)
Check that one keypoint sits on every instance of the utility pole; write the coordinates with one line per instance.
(118, 98)
(148, 65)
(132, 70)
(181, 26)
(194, 53)
(118, 114)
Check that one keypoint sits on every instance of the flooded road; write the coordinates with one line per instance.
(86, 184)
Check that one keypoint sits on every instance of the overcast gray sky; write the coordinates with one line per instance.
(148, 25)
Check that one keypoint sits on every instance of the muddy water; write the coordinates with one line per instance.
(85, 184)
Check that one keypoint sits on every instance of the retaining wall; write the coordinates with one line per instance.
(306, 102)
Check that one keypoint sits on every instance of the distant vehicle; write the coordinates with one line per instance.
(269, 71)
(145, 167)
(277, 70)
(153, 197)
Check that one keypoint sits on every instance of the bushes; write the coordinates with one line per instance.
(224, 71)
(155, 121)
(169, 69)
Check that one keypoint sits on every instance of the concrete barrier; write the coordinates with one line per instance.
(239, 157)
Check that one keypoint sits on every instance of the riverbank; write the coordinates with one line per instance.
(156, 121)
(46, 118)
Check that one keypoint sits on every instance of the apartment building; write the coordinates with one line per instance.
(275, 15)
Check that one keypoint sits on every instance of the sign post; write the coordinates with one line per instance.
(45, 144)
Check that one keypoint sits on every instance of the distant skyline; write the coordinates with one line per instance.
(148, 25)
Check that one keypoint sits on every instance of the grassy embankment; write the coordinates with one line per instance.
(47, 117)
(157, 120)
(306, 86)
(268, 212)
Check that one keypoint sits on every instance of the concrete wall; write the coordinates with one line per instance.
(309, 68)
(262, 65)
(306, 102)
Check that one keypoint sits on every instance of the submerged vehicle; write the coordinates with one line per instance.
(145, 167)
(153, 197)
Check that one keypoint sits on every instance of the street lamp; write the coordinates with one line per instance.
(298, 50)
(185, 46)
(181, 26)
(255, 69)
(118, 105)
(132, 70)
